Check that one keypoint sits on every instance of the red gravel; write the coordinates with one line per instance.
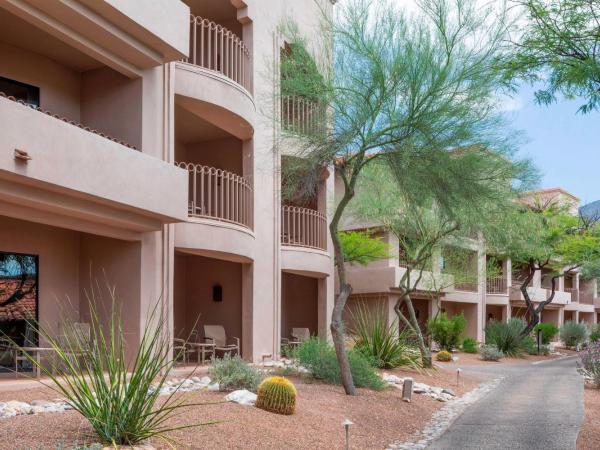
(589, 435)
(380, 418)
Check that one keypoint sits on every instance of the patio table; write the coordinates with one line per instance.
(203, 349)
(37, 352)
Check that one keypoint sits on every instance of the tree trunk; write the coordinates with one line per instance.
(413, 324)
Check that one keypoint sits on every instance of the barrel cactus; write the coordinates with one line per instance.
(278, 395)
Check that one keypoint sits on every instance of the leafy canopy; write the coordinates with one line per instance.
(560, 47)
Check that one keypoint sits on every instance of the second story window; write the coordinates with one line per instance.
(21, 91)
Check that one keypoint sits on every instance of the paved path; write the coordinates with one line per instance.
(537, 406)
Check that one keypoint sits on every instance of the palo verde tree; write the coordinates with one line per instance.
(425, 231)
(403, 90)
(543, 237)
(559, 46)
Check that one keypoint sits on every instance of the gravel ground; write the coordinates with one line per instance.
(379, 417)
(475, 359)
(589, 435)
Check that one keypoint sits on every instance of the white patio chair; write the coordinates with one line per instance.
(215, 334)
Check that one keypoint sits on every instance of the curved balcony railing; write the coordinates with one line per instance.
(218, 194)
(303, 227)
(302, 116)
(214, 47)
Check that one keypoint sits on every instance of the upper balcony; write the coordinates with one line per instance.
(129, 36)
(56, 171)
(215, 81)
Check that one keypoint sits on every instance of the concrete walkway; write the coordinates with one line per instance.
(537, 406)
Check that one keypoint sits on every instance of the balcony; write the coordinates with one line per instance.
(574, 294)
(118, 33)
(220, 209)
(219, 195)
(586, 297)
(497, 285)
(58, 172)
(304, 241)
(302, 116)
(214, 82)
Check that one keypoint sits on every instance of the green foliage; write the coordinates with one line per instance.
(379, 341)
(559, 47)
(595, 333)
(320, 359)
(359, 247)
(120, 401)
(573, 333)
(506, 336)
(232, 372)
(278, 395)
(529, 345)
(446, 332)
(490, 353)
(469, 345)
(549, 330)
(444, 356)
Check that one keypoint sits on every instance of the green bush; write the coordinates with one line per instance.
(506, 336)
(446, 332)
(379, 341)
(595, 334)
(549, 330)
(529, 345)
(232, 372)
(469, 345)
(320, 359)
(490, 353)
(573, 333)
(444, 356)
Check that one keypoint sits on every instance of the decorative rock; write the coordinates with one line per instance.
(214, 387)
(242, 396)
(393, 379)
(449, 392)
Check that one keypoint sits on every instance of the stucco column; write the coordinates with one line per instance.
(247, 310)
(507, 271)
(325, 305)
(537, 279)
(482, 289)
(561, 317)
(576, 316)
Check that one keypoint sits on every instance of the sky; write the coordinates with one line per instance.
(563, 144)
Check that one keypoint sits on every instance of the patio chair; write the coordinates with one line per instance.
(299, 335)
(182, 349)
(216, 335)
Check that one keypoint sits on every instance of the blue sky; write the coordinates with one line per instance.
(564, 144)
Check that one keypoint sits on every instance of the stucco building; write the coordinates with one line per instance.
(138, 146)
(482, 295)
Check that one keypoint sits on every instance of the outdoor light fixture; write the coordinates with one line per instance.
(22, 155)
(457, 377)
(347, 424)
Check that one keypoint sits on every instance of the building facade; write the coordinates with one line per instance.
(139, 147)
(491, 292)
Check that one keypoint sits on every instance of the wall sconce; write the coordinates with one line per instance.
(22, 155)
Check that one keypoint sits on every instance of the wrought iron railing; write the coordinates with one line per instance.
(497, 285)
(303, 227)
(219, 194)
(214, 47)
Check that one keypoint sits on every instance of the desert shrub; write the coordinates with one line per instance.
(446, 332)
(595, 333)
(490, 352)
(469, 345)
(278, 395)
(444, 356)
(529, 345)
(549, 330)
(118, 399)
(506, 336)
(589, 363)
(379, 341)
(573, 333)
(232, 372)
(320, 359)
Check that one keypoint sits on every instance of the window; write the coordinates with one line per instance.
(21, 91)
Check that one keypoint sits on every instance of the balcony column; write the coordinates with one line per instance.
(507, 272)
(481, 289)
(325, 305)
(394, 259)
(561, 317)
(576, 281)
(561, 284)
(536, 282)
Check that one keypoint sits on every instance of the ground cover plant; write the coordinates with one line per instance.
(469, 345)
(506, 336)
(573, 333)
(446, 332)
(119, 399)
(490, 352)
(232, 372)
(320, 359)
(589, 363)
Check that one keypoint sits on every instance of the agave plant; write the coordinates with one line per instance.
(379, 340)
(118, 399)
